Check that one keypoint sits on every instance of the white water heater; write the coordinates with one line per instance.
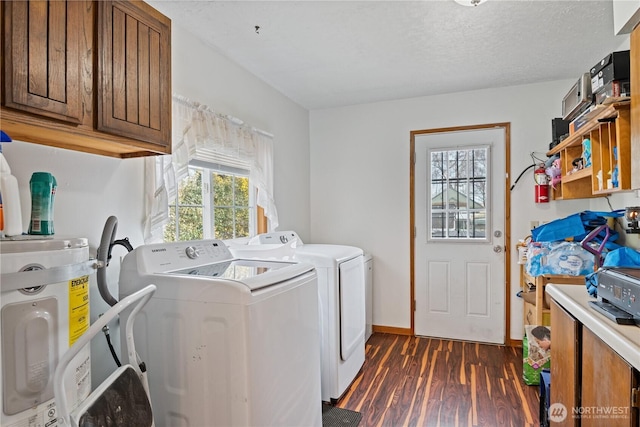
(44, 300)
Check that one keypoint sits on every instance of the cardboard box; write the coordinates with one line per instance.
(615, 66)
(612, 91)
(579, 121)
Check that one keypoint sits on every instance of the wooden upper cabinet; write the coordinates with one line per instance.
(42, 64)
(92, 76)
(134, 65)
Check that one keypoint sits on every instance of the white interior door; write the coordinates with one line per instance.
(459, 235)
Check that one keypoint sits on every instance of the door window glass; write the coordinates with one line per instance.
(458, 193)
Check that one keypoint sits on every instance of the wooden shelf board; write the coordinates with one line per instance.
(609, 191)
(581, 174)
(600, 112)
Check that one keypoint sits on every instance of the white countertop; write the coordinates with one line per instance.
(624, 339)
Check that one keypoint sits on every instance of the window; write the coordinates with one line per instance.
(209, 142)
(214, 202)
(458, 193)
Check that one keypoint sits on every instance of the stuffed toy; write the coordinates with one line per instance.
(554, 172)
(586, 152)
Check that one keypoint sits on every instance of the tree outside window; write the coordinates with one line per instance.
(231, 206)
(211, 204)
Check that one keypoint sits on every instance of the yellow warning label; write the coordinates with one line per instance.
(78, 308)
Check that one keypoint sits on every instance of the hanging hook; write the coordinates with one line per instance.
(257, 29)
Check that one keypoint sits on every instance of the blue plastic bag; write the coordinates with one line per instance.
(593, 219)
(622, 257)
(559, 229)
(577, 227)
(591, 281)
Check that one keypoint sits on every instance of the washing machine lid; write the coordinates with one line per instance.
(252, 273)
(321, 255)
(327, 255)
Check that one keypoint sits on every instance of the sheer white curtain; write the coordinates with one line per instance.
(201, 133)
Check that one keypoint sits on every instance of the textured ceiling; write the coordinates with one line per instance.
(332, 53)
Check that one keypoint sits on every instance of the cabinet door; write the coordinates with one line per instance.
(607, 381)
(42, 58)
(134, 72)
(565, 362)
(635, 108)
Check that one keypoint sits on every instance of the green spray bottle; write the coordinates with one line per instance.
(43, 189)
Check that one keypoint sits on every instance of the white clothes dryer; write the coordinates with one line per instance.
(341, 284)
(226, 342)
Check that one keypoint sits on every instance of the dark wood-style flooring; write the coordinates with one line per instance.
(417, 381)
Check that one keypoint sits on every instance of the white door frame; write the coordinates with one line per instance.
(507, 212)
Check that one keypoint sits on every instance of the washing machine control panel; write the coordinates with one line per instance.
(192, 252)
(164, 257)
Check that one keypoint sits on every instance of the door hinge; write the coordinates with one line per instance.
(414, 305)
(415, 232)
(635, 397)
(413, 157)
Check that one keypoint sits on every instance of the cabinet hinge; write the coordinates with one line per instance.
(635, 397)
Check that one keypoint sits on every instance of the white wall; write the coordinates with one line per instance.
(92, 187)
(202, 75)
(626, 15)
(360, 177)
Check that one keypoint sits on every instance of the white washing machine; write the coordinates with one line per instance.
(341, 283)
(226, 342)
(44, 294)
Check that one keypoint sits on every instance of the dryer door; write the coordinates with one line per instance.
(352, 306)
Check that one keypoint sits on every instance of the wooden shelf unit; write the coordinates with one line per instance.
(609, 130)
(536, 308)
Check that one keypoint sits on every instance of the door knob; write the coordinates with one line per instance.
(497, 249)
